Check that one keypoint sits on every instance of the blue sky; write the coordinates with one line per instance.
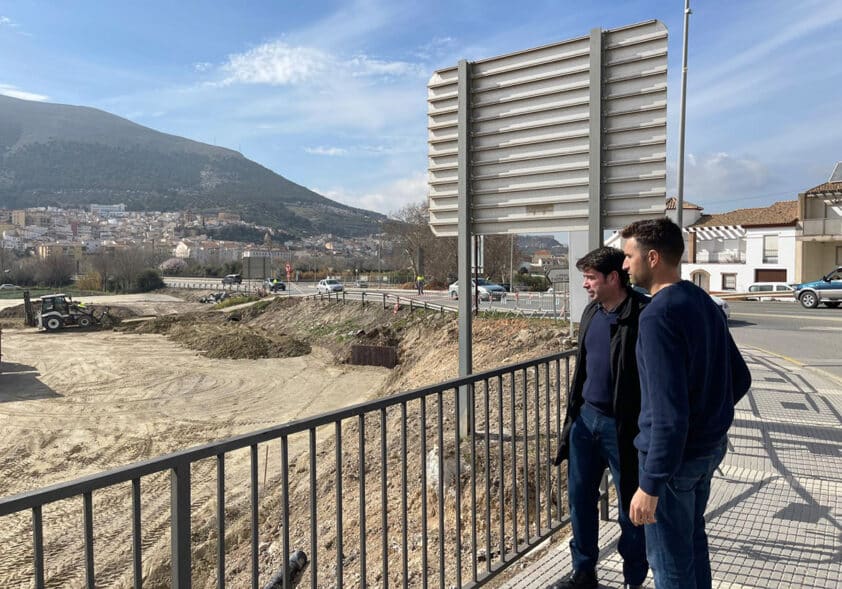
(332, 95)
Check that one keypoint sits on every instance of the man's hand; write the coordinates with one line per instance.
(642, 509)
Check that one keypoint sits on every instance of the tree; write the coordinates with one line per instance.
(55, 270)
(410, 232)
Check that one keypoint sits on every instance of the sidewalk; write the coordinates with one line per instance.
(775, 512)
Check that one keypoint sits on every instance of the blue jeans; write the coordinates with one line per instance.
(593, 447)
(677, 544)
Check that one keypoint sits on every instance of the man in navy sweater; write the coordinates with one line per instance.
(691, 376)
(601, 421)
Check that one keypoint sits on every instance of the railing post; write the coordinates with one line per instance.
(603, 497)
(180, 524)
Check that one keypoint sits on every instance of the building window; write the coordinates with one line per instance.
(839, 255)
(729, 282)
(770, 249)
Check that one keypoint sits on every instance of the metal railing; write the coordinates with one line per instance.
(474, 505)
(384, 299)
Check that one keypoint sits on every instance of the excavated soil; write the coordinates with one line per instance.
(73, 403)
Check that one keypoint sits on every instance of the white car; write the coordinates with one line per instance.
(722, 304)
(488, 291)
(8, 286)
(329, 285)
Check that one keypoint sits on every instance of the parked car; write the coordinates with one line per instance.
(826, 290)
(773, 291)
(329, 285)
(488, 291)
(8, 286)
(361, 284)
(723, 306)
(232, 279)
(274, 285)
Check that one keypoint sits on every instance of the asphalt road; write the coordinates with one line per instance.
(811, 337)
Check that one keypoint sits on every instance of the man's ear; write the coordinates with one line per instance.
(653, 257)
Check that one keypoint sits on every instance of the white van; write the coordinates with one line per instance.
(787, 292)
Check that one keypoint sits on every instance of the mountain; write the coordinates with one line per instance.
(71, 156)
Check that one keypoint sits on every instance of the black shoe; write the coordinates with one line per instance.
(578, 580)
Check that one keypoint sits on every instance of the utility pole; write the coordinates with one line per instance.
(679, 203)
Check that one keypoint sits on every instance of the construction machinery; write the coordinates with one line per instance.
(59, 311)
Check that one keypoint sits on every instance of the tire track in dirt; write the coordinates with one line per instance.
(102, 399)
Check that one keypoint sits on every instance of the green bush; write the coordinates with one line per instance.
(149, 279)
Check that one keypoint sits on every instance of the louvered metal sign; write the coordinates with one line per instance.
(553, 136)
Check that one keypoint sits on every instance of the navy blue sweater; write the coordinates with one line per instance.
(691, 376)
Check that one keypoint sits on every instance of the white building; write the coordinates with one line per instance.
(729, 251)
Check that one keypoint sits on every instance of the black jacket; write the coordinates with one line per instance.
(626, 391)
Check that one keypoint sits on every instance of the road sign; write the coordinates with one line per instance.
(288, 267)
(565, 137)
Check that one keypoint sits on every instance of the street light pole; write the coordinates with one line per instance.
(679, 204)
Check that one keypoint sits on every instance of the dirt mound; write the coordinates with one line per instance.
(215, 335)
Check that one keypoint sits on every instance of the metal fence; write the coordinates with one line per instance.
(383, 493)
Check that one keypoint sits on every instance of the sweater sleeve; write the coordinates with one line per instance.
(664, 386)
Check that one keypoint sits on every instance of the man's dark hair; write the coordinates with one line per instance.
(605, 260)
(661, 235)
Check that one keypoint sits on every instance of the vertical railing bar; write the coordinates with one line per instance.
(137, 571)
(384, 508)
(181, 556)
(457, 410)
(220, 520)
(537, 450)
(472, 421)
(339, 555)
(314, 558)
(255, 572)
(424, 492)
(363, 520)
(441, 487)
(528, 527)
(487, 479)
(89, 539)
(38, 546)
(404, 523)
(285, 504)
(502, 470)
(558, 421)
(515, 538)
(547, 458)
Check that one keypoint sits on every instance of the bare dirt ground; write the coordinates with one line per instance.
(73, 403)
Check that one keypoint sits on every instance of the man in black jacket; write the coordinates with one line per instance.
(601, 422)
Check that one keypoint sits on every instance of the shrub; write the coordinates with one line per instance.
(149, 279)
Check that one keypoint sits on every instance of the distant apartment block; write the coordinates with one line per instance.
(108, 210)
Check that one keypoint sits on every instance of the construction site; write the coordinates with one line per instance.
(166, 373)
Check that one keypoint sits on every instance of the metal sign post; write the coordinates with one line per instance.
(464, 253)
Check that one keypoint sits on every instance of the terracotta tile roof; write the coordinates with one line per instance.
(781, 213)
(672, 201)
(825, 188)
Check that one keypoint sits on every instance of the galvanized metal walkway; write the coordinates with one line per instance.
(775, 513)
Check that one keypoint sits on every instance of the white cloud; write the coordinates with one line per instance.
(14, 92)
(6, 21)
(280, 64)
(275, 64)
(713, 177)
(330, 151)
(388, 198)
(363, 65)
(202, 66)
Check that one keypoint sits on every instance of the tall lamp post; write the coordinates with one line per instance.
(679, 204)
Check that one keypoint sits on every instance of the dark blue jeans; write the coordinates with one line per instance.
(677, 544)
(593, 447)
